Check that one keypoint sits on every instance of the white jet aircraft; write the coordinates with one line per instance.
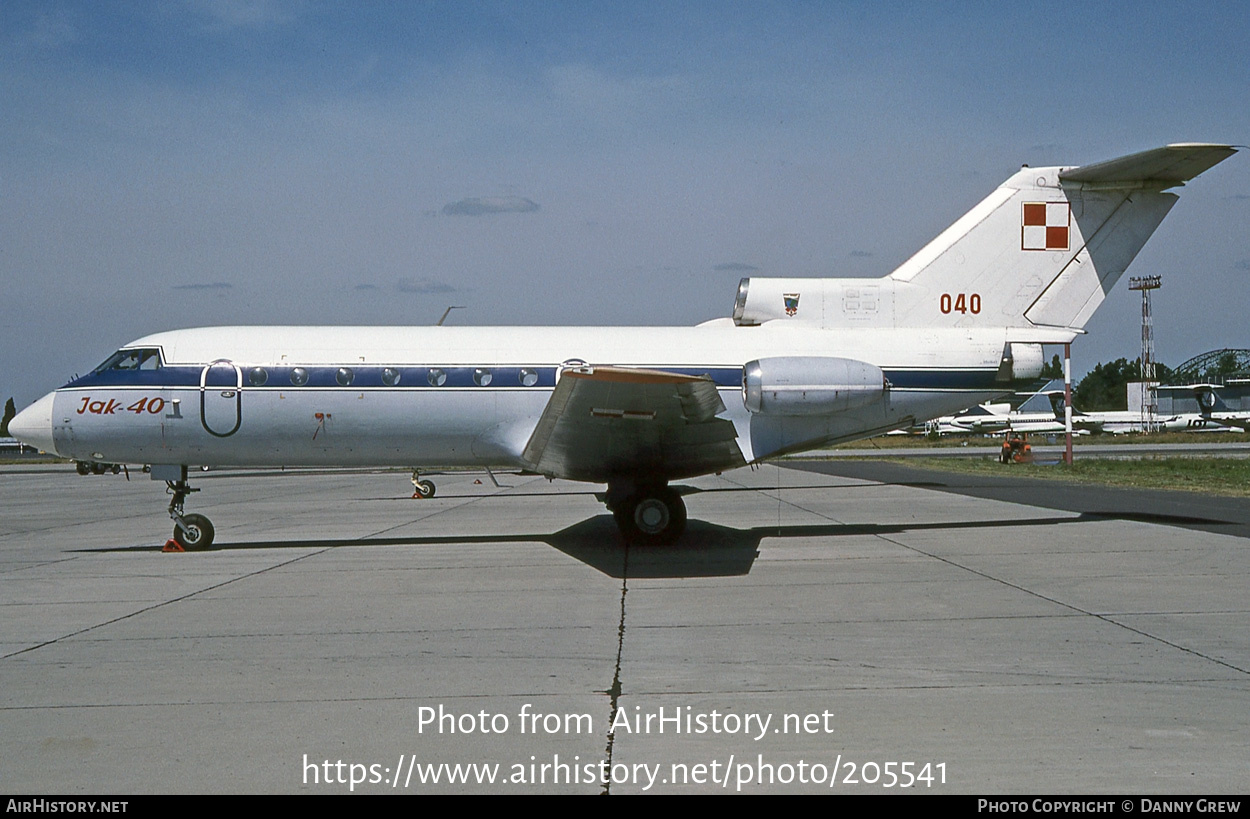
(800, 364)
(1213, 416)
(1033, 416)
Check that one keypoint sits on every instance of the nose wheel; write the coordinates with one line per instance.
(195, 533)
(191, 532)
(421, 487)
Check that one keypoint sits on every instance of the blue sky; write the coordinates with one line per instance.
(175, 164)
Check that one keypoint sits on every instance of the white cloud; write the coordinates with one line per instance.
(254, 14)
(204, 286)
(423, 285)
(485, 205)
(51, 30)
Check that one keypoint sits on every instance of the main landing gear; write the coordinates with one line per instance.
(191, 532)
(648, 514)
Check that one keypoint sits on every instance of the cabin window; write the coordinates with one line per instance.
(257, 376)
(436, 377)
(126, 360)
(299, 376)
(482, 377)
(344, 376)
(527, 377)
(390, 376)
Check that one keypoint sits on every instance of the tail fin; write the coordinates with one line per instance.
(1042, 400)
(1058, 404)
(1041, 252)
(1046, 247)
(1208, 399)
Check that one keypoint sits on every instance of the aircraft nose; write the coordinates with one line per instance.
(33, 425)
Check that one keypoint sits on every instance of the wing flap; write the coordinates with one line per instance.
(604, 422)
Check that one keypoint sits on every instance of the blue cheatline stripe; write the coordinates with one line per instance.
(419, 377)
(323, 377)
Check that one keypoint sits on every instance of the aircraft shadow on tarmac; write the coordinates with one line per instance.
(705, 550)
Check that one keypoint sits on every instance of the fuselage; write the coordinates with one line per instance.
(1121, 422)
(462, 396)
(801, 363)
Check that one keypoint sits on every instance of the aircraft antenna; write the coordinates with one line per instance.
(448, 310)
(1149, 394)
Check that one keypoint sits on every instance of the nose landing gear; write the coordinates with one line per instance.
(421, 488)
(191, 532)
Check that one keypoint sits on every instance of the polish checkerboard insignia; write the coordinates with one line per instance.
(1045, 226)
(792, 303)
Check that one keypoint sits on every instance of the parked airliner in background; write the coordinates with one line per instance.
(1124, 422)
(1034, 416)
(1043, 414)
(1213, 416)
(800, 364)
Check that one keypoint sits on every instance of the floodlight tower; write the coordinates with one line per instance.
(1149, 397)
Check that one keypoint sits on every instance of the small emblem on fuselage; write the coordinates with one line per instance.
(792, 303)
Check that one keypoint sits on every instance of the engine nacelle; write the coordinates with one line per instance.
(810, 385)
(1021, 362)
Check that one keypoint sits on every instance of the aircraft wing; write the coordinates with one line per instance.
(1232, 419)
(605, 422)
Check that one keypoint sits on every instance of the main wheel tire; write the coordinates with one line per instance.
(199, 534)
(426, 488)
(83, 468)
(652, 517)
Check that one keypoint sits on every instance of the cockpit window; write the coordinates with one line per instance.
(142, 359)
